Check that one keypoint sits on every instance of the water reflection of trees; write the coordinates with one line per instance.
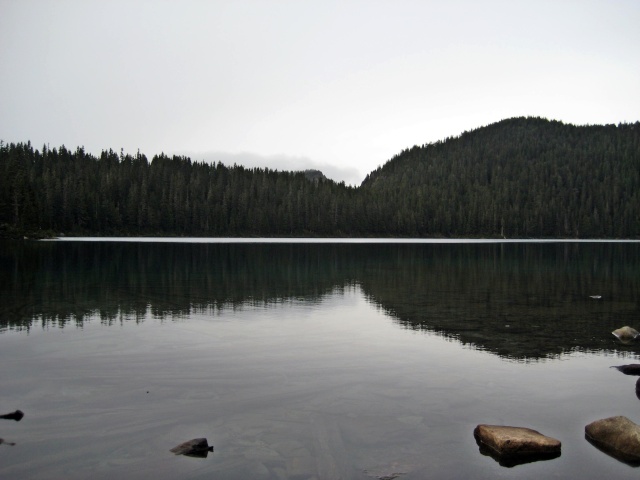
(60, 282)
(516, 300)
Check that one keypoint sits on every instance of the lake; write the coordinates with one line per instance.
(313, 359)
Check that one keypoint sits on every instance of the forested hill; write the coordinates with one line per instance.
(522, 177)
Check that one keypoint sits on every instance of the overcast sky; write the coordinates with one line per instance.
(341, 86)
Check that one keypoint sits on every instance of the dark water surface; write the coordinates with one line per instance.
(310, 361)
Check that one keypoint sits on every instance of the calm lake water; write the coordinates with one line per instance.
(310, 360)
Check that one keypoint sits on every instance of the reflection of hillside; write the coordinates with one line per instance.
(516, 300)
(62, 282)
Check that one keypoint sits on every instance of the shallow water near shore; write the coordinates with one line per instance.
(323, 360)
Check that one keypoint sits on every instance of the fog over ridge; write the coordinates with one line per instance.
(282, 162)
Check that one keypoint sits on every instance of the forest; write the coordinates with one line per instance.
(517, 178)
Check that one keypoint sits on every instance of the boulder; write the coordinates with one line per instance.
(515, 445)
(617, 436)
(626, 334)
(631, 369)
(198, 447)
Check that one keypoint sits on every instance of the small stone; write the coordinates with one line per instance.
(626, 334)
(17, 415)
(198, 447)
(617, 436)
(506, 442)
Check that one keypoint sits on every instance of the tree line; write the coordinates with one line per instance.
(72, 192)
(522, 177)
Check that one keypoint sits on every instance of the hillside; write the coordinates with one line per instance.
(522, 177)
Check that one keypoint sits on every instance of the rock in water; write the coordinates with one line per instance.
(516, 444)
(626, 334)
(631, 369)
(198, 447)
(17, 416)
(617, 436)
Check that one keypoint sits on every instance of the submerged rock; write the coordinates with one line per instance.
(515, 445)
(626, 334)
(17, 416)
(198, 447)
(384, 476)
(631, 369)
(617, 436)
(389, 472)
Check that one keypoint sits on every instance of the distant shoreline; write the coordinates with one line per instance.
(345, 240)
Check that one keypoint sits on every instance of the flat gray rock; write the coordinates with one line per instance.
(516, 442)
(617, 436)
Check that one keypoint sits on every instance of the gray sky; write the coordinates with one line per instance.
(341, 86)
